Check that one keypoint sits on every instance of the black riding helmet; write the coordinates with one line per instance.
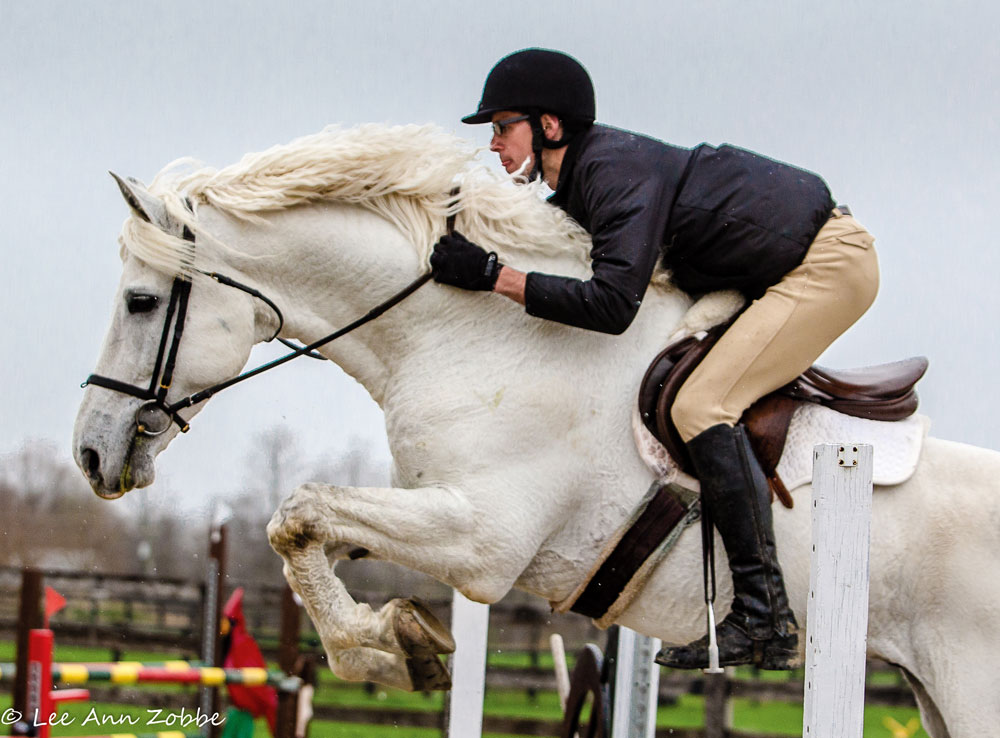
(538, 80)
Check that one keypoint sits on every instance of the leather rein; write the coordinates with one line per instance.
(153, 417)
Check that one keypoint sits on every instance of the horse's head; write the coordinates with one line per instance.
(181, 330)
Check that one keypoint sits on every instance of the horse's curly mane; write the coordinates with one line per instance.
(404, 173)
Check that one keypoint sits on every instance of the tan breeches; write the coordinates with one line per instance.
(782, 334)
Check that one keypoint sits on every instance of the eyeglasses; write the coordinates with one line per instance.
(500, 126)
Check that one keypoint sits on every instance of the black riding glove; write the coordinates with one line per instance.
(461, 263)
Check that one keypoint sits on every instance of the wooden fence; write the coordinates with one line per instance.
(130, 613)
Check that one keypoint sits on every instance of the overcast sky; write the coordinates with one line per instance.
(894, 103)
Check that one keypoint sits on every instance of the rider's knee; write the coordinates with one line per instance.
(688, 414)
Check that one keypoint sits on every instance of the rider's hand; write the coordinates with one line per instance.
(461, 263)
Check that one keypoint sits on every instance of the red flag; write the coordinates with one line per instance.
(242, 650)
(54, 602)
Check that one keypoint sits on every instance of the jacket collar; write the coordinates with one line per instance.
(561, 196)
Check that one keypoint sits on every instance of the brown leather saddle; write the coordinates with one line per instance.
(883, 392)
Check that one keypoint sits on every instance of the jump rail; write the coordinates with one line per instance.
(169, 672)
(43, 701)
(34, 673)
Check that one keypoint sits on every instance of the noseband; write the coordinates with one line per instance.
(154, 416)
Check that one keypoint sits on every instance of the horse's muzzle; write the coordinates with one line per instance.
(90, 462)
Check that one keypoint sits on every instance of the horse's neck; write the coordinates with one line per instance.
(327, 265)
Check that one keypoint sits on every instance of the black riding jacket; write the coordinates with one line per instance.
(719, 217)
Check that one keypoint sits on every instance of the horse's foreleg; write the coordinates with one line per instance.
(401, 641)
(428, 529)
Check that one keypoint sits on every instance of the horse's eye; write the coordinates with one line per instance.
(141, 303)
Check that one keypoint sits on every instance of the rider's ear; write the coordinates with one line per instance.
(147, 206)
(552, 127)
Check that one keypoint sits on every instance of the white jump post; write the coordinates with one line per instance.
(837, 616)
(637, 686)
(464, 703)
(637, 678)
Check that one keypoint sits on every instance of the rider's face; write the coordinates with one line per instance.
(513, 146)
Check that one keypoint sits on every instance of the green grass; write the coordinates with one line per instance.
(749, 716)
(770, 718)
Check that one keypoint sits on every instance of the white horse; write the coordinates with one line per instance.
(511, 437)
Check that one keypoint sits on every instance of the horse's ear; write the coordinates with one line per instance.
(147, 205)
(138, 198)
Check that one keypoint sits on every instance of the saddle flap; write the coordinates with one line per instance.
(656, 375)
(684, 364)
(767, 423)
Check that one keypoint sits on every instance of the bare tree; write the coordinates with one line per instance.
(273, 467)
(51, 518)
(354, 466)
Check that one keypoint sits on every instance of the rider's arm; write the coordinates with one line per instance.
(510, 283)
(620, 202)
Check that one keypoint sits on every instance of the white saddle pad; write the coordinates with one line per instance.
(896, 445)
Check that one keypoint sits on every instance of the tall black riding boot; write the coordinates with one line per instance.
(760, 628)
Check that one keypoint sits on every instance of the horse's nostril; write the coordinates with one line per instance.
(91, 464)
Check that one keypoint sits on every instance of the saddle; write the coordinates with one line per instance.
(883, 392)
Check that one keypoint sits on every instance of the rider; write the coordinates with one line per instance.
(718, 218)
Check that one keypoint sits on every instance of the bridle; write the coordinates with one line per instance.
(154, 416)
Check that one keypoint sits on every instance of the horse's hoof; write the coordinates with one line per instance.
(422, 637)
(418, 629)
(428, 674)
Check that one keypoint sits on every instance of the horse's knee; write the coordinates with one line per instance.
(298, 521)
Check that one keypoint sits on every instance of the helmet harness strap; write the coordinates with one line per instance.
(537, 141)
(540, 141)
